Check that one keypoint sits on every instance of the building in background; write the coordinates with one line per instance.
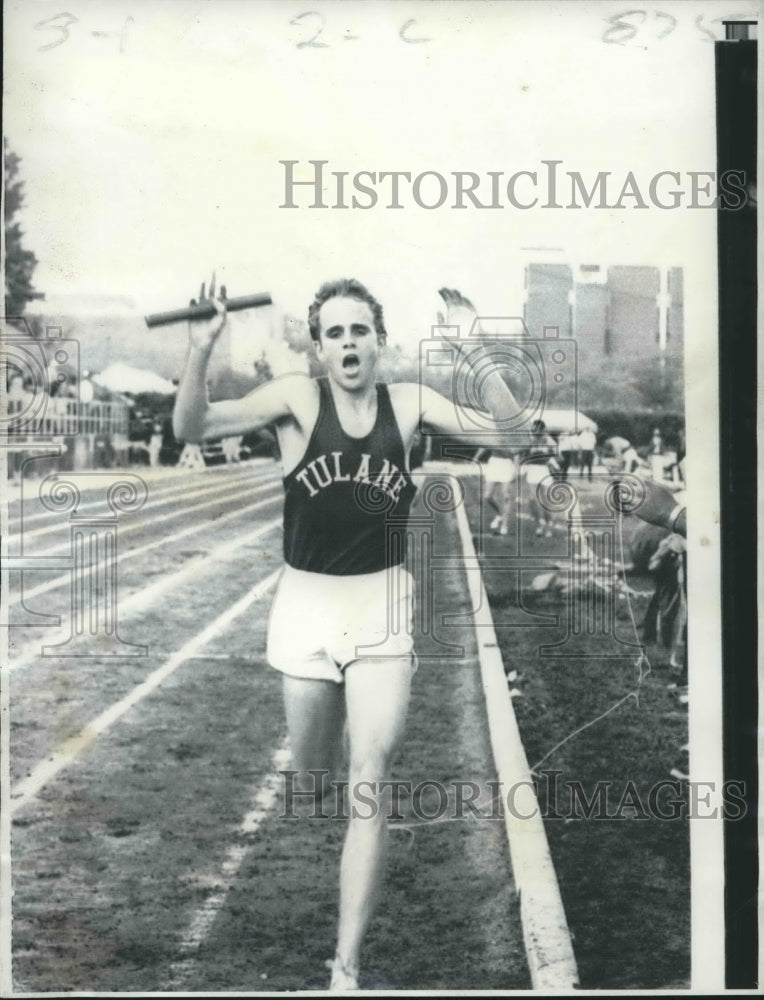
(624, 312)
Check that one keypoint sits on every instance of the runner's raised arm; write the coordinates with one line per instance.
(502, 407)
(195, 418)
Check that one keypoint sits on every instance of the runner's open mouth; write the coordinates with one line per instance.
(350, 361)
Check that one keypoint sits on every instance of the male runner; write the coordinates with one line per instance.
(344, 443)
(499, 475)
(587, 442)
(539, 462)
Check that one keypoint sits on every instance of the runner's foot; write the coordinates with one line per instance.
(344, 977)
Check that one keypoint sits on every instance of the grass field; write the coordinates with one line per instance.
(148, 850)
(625, 881)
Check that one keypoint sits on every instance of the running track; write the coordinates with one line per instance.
(148, 853)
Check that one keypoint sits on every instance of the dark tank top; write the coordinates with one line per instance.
(347, 501)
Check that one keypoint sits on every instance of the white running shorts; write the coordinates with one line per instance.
(320, 623)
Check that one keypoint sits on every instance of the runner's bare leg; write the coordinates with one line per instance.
(377, 695)
(506, 511)
(494, 497)
(315, 712)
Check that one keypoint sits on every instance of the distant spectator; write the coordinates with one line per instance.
(120, 447)
(499, 473)
(630, 459)
(231, 447)
(644, 544)
(539, 462)
(155, 444)
(665, 621)
(587, 441)
(567, 446)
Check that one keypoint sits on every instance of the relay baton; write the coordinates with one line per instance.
(206, 310)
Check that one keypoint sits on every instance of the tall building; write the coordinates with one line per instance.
(633, 329)
(675, 324)
(623, 312)
(547, 298)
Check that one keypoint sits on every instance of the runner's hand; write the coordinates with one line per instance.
(472, 347)
(204, 332)
(459, 310)
(461, 313)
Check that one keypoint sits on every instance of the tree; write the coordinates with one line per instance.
(19, 263)
(659, 382)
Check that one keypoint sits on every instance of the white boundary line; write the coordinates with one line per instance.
(67, 752)
(263, 802)
(546, 934)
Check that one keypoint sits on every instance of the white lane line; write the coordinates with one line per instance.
(110, 475)
(68, 751)
(64, 578)
(264, 800)
(153, 504)
(548, 946)
(141, 599)
(136, 524)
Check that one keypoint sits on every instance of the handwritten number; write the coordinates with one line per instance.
(311, 42)
(122, 35)
(62, 22)
(623, 30)
(412, 41)
(50, 22)
(618, 23)
(710, 36)
(669, 28)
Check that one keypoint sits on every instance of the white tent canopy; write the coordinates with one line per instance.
(120, 377)
(567, 421)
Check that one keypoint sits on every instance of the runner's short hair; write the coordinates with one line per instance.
(348, 288)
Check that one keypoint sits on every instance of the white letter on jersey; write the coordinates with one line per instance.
(303, 477)
(362, 476)
(338, 477)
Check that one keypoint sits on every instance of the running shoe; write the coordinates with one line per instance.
(344, 977)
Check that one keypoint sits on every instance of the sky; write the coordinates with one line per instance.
(151, 134)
